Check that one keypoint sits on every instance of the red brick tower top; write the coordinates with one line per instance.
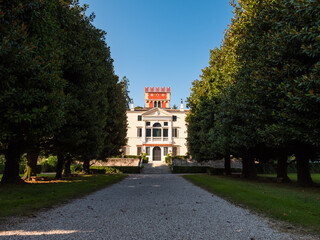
(155, 98)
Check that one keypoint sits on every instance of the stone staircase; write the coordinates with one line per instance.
(155, 168)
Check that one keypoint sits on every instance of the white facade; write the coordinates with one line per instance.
(156, 131)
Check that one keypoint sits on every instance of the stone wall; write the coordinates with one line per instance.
(119, 162)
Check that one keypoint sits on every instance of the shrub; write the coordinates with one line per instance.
(52, 160)
(145, 159)
(1, 168)
(168, 159)
(2, 159)
(76, 168)
(50, 164)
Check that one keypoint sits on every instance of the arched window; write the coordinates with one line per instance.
(159, 104)
(155, 104)
(156, 131)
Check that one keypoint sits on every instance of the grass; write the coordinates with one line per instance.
(27, 198)
(288, 203)
(293, 176)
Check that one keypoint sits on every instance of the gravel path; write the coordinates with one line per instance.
(145, 207)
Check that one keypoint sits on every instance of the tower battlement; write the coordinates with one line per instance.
(155, 98)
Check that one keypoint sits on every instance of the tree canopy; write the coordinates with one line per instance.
(259, 97)
(59, 92)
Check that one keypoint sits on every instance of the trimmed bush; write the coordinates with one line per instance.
(189, 169)
(271, 168)
(180, 157)
(1, 168)
(201, 169)
(132, 156)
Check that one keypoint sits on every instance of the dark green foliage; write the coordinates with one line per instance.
(189, 169)
(168, 159)
(270, 168)
(31, 89)
(145, 159)
(259, 98)
(180, 156)
(49, 165)
(132, 156)
(76, 168)
(59, 93)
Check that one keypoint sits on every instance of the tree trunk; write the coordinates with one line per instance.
(248, 167)
(67, 170)
(11, 169)
(303, 168)
(86, 166)
(282, 166)
(59, 166)
(227, 165)
(31, 167)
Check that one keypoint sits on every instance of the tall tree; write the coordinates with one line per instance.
(31, 103)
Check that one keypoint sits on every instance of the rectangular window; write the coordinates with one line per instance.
(165, 123)
(165, 151)
(165, 132)
(139, 132)
(174, 118)
(148, 151)
(156, 132)
(138, 150)
(174, 132)
(148, 132)
(174, 151)
(139, 118)
(148, 123)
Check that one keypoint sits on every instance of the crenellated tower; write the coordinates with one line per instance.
(155, 98)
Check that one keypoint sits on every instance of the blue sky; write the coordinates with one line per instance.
(161, 42)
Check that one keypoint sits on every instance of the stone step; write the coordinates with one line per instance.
(155, 168)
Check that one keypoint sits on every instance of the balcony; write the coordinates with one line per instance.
(157, 139)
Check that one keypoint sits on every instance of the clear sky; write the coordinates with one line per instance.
(161, 42)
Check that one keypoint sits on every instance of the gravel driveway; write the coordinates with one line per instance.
(159, 206)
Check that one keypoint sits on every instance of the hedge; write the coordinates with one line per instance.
(179, 156)
(271, 168)
(111, 170)
(201, 169)
(189, 169)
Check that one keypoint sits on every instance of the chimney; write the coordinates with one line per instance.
(132, 106)
(181, 105)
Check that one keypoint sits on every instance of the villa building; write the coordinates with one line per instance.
(156, 129)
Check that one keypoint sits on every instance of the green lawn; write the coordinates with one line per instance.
(293, 176)
(289, 203)
(27, 198)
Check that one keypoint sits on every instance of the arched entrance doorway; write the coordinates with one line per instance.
(156, 156)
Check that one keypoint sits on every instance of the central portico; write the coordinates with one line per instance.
(157, 133)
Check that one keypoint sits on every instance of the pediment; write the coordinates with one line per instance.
(155, 112)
